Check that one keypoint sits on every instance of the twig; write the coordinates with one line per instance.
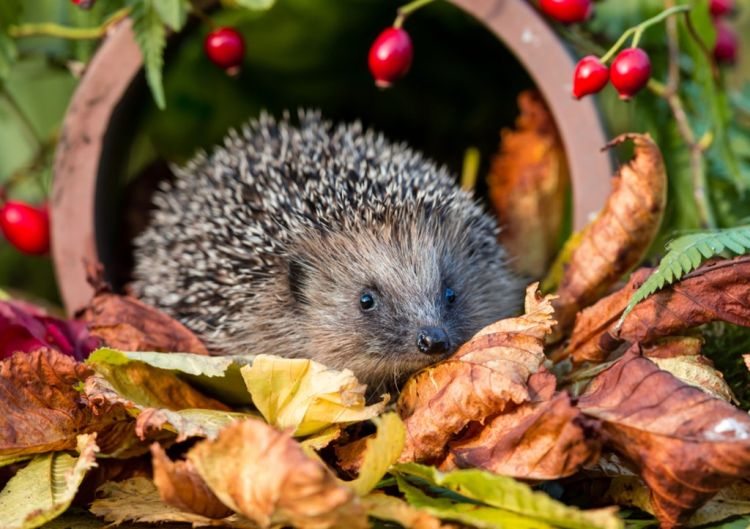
(49, 29)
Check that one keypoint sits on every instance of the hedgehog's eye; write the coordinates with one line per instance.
(367, 301)
(449, 295)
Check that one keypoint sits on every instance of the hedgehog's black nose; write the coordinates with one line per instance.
(433, 340)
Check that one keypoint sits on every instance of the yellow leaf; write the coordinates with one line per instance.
(381, 452)
(306, 396)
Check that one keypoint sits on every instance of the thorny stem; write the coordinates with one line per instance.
(49, 29)
(637, 31)
(406, 10)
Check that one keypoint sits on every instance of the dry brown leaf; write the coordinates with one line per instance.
(264, 475)
(685, 444)
(527, 185)
(620, 235)
(486, 375)
(137, 500)
(719, 290)
(40, 408)
(182, 487)
(545, 439)
(673, 347)
(125, 323)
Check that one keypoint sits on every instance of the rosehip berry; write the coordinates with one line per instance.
(390, 56)
(630, 72)
(225, 47)
(721, 7)
(727, 44)
(567, 11)
(26, 227)
(84, 4)
(589, 77)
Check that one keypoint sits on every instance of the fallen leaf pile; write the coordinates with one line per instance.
(101, 423)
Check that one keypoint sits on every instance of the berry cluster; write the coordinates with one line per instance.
(26, 227)
(727, 43)
(630, 72)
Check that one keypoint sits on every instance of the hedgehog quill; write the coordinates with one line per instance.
(324, 242)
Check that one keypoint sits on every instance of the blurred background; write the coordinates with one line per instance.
(460, 93)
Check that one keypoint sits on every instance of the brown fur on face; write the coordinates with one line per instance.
(267, 245)
(406, 262)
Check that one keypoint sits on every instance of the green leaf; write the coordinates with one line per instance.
(257, 5)
(218, 376)
(151, 36)
(381, 452)
(510, 495)
(8, 54)
(173, 12)
(472, 514)
(45, 487)
(685, 254)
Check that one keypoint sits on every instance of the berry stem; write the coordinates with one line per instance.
(637, 31)
(48, 29)
(405, 10)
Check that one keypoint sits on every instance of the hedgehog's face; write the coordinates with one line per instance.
(384, 306)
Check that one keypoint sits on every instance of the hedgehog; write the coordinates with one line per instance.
(312, 240)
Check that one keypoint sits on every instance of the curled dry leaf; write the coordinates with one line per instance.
(40, 409)
(182, 487)
(123, 322)
(158, 399)
(527, 184)
(264, 475)
(718, 290)
(305, 395)
(620, 235)
(685, 444)
(545, 439)
(45, 487)
(486, 375)
(137, 500)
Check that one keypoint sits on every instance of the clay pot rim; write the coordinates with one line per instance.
(117, 64)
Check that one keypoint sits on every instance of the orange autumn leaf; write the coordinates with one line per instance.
(485, 376)
(181, 486)
(547, 438)
(685, 444)
(719, 290)
(264, 475)
(125, 323)
(620, 235)
(40, 408)
(527, 185)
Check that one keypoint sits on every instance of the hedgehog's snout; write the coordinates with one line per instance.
(433, 340)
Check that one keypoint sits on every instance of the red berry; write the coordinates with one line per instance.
(84, 4)
(721, 7)
(589, 77)
(727, 44)
(567, 11)
(630, 72)
(390, 56)
(225, 47)
(26, 227)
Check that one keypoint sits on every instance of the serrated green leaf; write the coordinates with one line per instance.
(45, 487)
(512, 496)
(151, 36)
(685, 254)
(173, 12)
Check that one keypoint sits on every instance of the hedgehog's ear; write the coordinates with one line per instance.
(297, 278)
